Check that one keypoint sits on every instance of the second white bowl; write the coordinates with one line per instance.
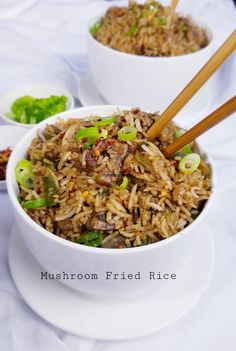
(149, 82)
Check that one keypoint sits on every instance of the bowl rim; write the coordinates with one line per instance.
(58, 240)
(71, 100)
(200, 22)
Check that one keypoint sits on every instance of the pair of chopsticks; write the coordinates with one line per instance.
(188, 92)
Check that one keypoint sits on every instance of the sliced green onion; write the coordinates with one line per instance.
(31, 204)
(23, 119)
(94, 29)
(104, 121)
(127, 133)
(132, 30)
(27, 109)
(89, 144)
(123, 185)
(90, 133)
(104, 134)
(189, 163)
(23, 173)
(184, 151)
(22, 167)
(32, 120)
(90, 239)
(27, 180)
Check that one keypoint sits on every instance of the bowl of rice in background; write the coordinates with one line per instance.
(146, 55)
(59, 251)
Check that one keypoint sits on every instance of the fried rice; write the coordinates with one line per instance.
(157, 201)
(149, 29)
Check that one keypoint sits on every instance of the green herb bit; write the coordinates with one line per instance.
(51, 190)
(132, 30)
(95, 28)
(90, 239)
(52, 167)
(162, 21)
(146, 241)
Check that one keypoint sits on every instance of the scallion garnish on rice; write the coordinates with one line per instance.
(127, 133)
(110, 187)
(189, 163)
(32, 204)
(90, 132)
(24, 174)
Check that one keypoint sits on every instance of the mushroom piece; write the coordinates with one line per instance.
(118, 151)
(118, 242)
(97, 221)
(66, 224)
(91, 160)
(105, 177)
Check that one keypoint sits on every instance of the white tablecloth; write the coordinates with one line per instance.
(44, 40)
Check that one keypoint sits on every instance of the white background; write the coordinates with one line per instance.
(43, 40)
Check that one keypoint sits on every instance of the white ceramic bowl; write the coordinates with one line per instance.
(149, 82)
(9, 137)
(37, 90)
(58, 255)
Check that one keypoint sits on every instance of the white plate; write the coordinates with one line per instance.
(37, 90)
(9, 137)
(191, 114)
(110, 318)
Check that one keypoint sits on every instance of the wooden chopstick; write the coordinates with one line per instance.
(193, 86)
(174, 4)
(210, 121)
